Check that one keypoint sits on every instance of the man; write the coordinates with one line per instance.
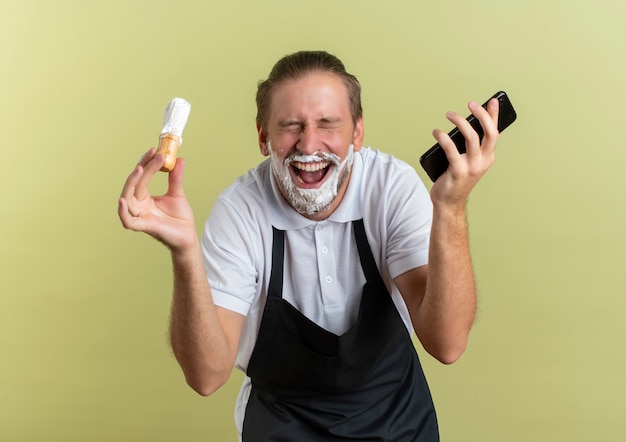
(318, 266)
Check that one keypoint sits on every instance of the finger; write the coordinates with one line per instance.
(146, 157)
(493, 108)
(472, 140)
(175, 179)
(128, 220)
(448, 146)
(131, 182)
(150, 169)
(488, 119)
(137, 224)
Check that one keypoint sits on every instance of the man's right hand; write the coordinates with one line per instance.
(169, 217)
(204, 337)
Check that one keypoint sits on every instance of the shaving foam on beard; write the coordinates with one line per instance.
(311, 201)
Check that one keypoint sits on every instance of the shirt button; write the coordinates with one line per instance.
(324, 249)
(329, 279)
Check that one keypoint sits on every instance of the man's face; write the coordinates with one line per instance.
(311, 138)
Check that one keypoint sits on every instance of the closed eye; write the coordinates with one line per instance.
(290, 126)
(329, 123)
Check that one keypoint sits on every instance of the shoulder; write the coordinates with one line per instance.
(374, 158)
(239, 212)
(382, 175)
(381, 166)
(397, 211)
(393, 198)
(249, 187)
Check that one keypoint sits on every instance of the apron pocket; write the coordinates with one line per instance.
(301, 368)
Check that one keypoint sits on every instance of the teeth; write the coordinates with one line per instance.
(310, 167)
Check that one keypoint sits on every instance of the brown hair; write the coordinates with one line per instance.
(297, 65)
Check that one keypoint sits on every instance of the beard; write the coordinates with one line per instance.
(311, 201)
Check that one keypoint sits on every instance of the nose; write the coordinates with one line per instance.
(309, 142)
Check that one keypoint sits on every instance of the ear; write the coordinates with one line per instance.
(359, 134)
(262, 136)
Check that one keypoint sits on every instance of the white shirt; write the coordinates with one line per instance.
(323, 276)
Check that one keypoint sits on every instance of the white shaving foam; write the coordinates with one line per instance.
(311, 201)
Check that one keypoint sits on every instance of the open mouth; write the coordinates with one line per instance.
(309, 174)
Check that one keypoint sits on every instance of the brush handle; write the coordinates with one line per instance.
(168, 146)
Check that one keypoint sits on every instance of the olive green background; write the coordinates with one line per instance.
(85, 304)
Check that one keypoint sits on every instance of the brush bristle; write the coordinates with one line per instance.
(175, 117)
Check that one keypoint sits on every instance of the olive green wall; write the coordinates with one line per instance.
(84, 304)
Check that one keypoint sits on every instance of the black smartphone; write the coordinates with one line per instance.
(434, 160)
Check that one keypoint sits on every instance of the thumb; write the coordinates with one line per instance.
(175, 179)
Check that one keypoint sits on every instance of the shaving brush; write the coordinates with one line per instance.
(174, 121)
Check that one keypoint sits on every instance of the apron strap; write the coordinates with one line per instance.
(275, 289)
(368, 263)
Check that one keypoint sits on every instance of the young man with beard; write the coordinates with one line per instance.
(316, 267)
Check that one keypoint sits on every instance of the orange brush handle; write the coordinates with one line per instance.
(168, 146)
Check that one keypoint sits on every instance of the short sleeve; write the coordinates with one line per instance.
(409, 218)
(229, 258)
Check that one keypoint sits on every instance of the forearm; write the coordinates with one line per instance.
(197, 336)
(447, 311)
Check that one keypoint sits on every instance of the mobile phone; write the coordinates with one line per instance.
(434, 160)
